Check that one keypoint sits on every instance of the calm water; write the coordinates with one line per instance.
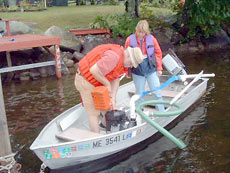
(31, 105)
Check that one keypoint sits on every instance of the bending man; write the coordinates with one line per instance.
(103, 66)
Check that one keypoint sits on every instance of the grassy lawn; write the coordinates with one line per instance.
(71, 16)
(64, 17)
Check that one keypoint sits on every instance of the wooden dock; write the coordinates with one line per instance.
(11, 43)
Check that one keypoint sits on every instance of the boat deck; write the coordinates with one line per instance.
(73, 130)
(80, 129)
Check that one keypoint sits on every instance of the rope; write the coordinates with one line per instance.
(10, 162)
(42, 168)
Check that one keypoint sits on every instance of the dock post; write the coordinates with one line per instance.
(8, 27)
(5, 147)
(8, 57)
(10, 75)
(58, 60)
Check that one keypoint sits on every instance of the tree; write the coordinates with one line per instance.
(6, 3)
(203, 17)
(11, 3)
(132, 8)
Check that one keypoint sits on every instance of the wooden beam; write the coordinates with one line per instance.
(8, 57)
(88, 31)
(25, 41)
(49, 51)
(5, 146)
(9, 63)
(24, 67)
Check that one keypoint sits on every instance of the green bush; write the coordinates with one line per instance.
(92, 2)
(203, 18)
(13, 8)
(145, 11)
(111, 2)
(100, 22)
(24, 5)
(160, 3)
(124, 26)
(121, 25)
(82, 2)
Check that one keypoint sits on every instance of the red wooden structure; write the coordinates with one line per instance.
(89, 31)
(18, 42)
(8, 25)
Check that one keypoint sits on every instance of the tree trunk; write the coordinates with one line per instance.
(185, 18)
(77, 2)
(132, 8)
(11, 3)
(136, 8)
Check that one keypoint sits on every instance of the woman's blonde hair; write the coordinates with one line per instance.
(143, 26)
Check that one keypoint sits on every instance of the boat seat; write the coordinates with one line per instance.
(165, 93)
(75, 134)
(168, 93)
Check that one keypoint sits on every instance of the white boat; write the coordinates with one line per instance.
(67, 139)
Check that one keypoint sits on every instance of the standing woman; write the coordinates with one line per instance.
(151, 67)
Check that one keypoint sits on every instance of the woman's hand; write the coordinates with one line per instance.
(159, 73)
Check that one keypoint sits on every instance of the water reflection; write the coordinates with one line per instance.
(206, 130)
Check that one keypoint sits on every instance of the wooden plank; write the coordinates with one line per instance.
(18, 42)
(28, 66)
(9, 62)
(8, 57)
(88, 31)
(5, 147)
(10, 20)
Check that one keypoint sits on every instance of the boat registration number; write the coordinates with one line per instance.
(66, 152)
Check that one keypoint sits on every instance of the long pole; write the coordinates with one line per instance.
(5, 147)
(186, 88)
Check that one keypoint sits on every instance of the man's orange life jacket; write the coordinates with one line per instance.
(94, 56)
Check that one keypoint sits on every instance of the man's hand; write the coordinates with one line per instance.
(113, 103)
(97, 74)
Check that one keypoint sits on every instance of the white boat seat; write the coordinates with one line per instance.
(67, 121)
(165, 93)
(168, 93)
(75, 134)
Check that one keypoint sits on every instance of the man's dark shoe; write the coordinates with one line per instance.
(102, 126)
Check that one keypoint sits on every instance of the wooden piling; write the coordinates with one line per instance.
(5, 146)
(57, 60)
